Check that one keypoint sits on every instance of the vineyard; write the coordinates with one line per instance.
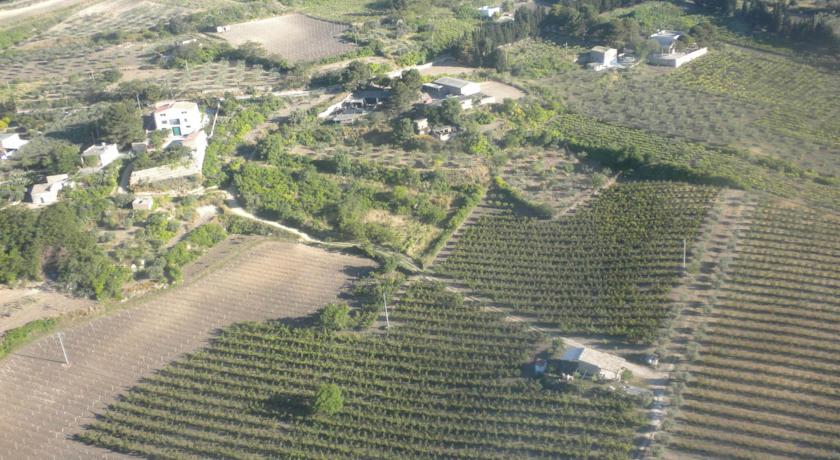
(765, 383)
(445, 383)
(603, 270)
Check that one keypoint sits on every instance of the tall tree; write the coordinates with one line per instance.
(121, 124)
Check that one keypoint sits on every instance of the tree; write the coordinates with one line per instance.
(450, 111)
(57, 157)
(121, 124)
(328, 400)
(403, 132)
(354, 75)
(335, 317)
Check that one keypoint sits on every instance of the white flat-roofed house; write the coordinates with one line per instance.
(603, 56)
(10, 143)
(592, 362)
(490, 11)
(145, 203)
(100, 156)
(47, 193)
(182, 118)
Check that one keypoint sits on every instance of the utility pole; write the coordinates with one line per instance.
(685, 248)
(139, 107)
(61, 342)
(385, 303)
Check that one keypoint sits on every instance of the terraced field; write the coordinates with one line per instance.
(445, 383)
(604, 270)
(44, 403)
(766, 382)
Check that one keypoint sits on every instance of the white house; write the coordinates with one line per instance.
(196, 142)
(592, 362)
(448, 86)
(603, 56)
(181, 117)
(10, 143)
(100, 156)
(47, 193)
(490, 11)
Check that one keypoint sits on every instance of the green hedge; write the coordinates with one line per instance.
(20, 335)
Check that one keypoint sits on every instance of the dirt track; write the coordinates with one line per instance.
(27, 10)
(44, 402)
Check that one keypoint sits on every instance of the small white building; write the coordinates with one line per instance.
(603, 56)
(595, 363)
(490, 11)
(421, 126)
(448, 86)
(667, 40)
(10, 143)
(668, 54)
(182, 118)
(144, 203)
(47, 193)
(100, 156)
(443, 133)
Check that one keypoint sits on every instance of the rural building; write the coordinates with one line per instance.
(10, 143)
(181, 117)
(448, 86)
(592, 362)
(421, 126)
(47, 193)
(603, 56)
(443, 133)
(490, 11)
(356, 105)
(668, 54)
(100, 156)
(143, 203)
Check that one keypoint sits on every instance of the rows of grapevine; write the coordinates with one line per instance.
(766, 382)
(604, 270)
(445, 383)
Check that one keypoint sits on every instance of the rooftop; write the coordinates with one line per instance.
(182, 105)
(97, 150)
(453, 82)
(603, 360)
(601, 49)
(666, 38)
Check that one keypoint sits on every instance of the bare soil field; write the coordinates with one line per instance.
(20, 306)
(21, 10)
(45, 402)
(501, 91)
(295, 37)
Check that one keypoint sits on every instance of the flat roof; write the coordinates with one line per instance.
(453, 82)
(605, 361)
(602, 49)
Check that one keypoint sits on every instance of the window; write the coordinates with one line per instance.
(175, 122)
(163, 122)
(176, 131)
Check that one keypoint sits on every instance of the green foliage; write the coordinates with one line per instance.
(19, 258)
(191, 247)
(121, 124)
(328, 400)
(334, 317)
(521, 204)
(55, 156)
(16, 337)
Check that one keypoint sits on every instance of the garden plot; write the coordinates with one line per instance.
(295, 37)
(44, 402)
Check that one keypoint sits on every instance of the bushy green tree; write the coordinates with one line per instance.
(121, 124)
(335, 317)
(328, 400)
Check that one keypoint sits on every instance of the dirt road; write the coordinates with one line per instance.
(15, 13)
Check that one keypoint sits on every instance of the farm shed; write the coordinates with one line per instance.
(592, 362)
(101, 155)
(47, 193)
(447, 86)
(604, 56)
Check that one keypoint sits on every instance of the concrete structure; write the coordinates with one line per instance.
(667, 40)
(100, 156)
(603, 55)
(421, 126)
(11, 142)
(356, 105)
(182, 118)
(677, 59)
(448, 86)
(222, 29)
(443, 133)
(196, 142)
(143, 203)
(47, 193)
(591, 362)
(490, 11)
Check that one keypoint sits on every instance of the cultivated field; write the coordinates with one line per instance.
(765, 384)
(44, 402)
(605, 269)
(295, 37)
(444, 382)
(22, 305)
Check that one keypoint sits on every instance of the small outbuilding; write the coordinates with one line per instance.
(603, 55)
(595, 363)
(490, 11)
(11, 142)
(47, 193)
(100, 156)
(144, 203)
